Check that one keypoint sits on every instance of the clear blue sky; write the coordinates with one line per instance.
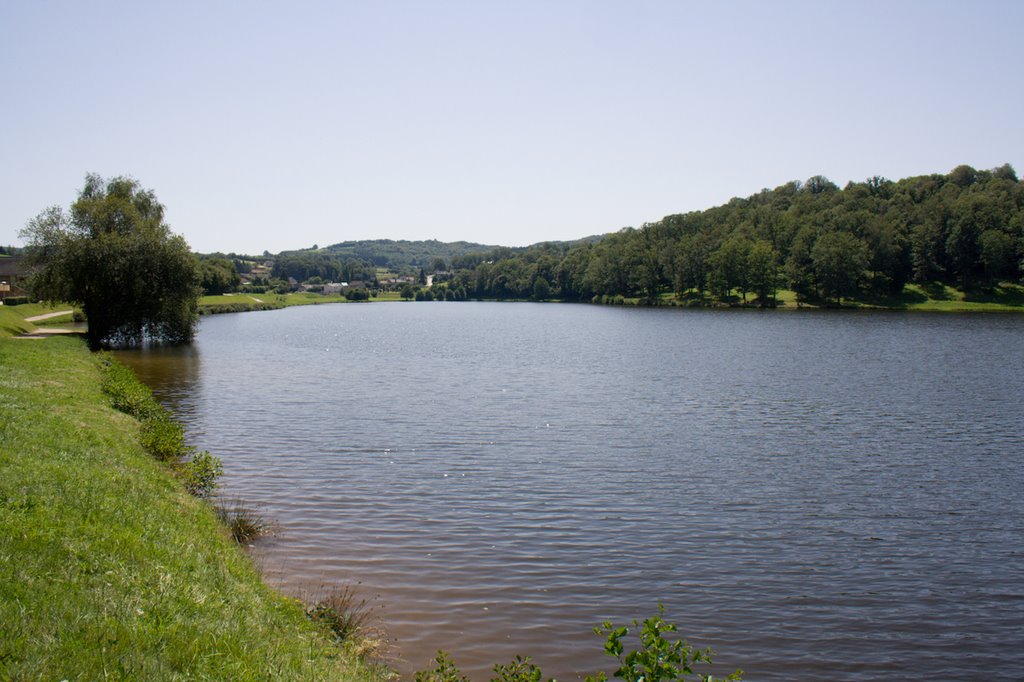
(279, 125)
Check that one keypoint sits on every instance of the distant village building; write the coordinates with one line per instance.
(12, 277)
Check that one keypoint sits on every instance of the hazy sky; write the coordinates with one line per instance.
(280, 125)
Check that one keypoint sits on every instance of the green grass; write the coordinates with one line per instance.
(938, 297)
(12, 321)
(310, 298)
(928, 297)
(234, 303)
(12, 318)
(239, 303)
(108, 568)
(32, 309)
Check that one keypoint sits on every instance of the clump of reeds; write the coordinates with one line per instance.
(244, 523)
(350, 620)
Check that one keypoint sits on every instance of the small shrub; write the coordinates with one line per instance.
(164, 438)
(444, 671)
(126, 392)
(202, 473)
(244, 523)
(16, 300)
(657, 659)
(357, 295)
(519, 670)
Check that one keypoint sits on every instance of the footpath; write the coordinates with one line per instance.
(47, 316)
(44, 332)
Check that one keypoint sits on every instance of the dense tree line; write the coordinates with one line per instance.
(869, 238)
(402, 255)
(305, 265)
(218, 275)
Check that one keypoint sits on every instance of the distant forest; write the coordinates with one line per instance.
(359, 260)
(824, 243)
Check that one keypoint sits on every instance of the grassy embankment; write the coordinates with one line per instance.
(931, 297)
(12, 322)
(108, 568)
(236, 303)
(12, 318)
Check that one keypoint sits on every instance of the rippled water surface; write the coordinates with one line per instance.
(816, 496)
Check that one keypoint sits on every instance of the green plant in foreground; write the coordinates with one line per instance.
(444, 671)
(164, 438)
(519, 670)
(201, 473)
(160, 434)
(127, 393)
(657, 659)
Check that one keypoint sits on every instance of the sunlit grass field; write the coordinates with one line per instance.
(12, 322)
(247, 302)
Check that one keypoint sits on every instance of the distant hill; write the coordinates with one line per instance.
(403, 255)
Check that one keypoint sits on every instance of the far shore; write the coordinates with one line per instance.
(934, 297)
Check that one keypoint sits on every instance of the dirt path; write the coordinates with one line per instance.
(47, 316)
(46, 332)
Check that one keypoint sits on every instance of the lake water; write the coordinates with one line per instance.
(814, 495)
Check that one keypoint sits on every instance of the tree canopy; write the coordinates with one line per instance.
(113, 254)
(218, 275)
(825, 243)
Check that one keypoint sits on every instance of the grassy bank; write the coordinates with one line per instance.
(12, 318)
(237, 303)
(932, 297)
(12, 321)
(108, 568)
(1006, 297)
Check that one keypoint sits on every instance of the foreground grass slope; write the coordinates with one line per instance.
(108, 569)
(12, 322)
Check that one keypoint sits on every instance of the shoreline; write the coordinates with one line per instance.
(913, 300)
(112, 567)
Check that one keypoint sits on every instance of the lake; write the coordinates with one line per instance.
(814, 495)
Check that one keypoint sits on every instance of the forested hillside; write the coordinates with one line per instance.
(867, 239)
(401, 255)
(359, 260)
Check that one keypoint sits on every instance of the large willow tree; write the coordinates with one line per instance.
(114, 255)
